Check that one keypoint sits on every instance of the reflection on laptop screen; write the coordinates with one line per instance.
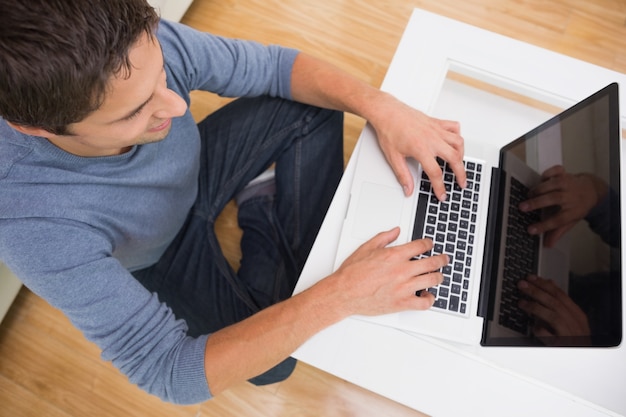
(558, 270)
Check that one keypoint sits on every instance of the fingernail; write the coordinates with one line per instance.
(523, 206)
(405, 189)
(443, 197)
(522, 285)
(532, 230)
(532, 278)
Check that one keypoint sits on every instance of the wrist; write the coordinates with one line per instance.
(331, 299)
(375, 106)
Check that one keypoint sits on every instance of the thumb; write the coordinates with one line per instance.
(552, 237)
(379, 241)
(403, 174)
(383, 239)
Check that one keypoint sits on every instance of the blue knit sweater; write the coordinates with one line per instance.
(72, 228)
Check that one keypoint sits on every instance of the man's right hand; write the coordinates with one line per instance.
(377, 279)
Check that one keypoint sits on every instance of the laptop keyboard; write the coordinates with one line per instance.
(452, 226)
(520, 259)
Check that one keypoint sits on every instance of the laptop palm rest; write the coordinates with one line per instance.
(379, 208)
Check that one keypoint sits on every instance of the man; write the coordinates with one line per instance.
(109, 191)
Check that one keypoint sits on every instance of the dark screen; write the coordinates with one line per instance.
(559, 232)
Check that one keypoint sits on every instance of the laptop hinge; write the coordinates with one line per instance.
(492, 243)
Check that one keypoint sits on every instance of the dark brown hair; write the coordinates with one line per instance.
(58, 56)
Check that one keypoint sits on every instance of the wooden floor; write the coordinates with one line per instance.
(48, 369)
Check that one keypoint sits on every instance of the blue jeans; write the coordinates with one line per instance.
(239, 142)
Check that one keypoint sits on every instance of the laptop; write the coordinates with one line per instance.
(485, 234)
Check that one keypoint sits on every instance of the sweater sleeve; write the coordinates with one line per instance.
(228, 67)
(69, 265)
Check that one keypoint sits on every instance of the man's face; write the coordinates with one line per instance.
(136, 110)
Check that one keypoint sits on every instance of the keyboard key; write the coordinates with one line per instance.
(444, 292)
(454, 303)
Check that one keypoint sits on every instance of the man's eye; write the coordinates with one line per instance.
(132, 116)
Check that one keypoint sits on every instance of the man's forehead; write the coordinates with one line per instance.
(126, 93)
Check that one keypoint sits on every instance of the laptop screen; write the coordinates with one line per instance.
(555, 278)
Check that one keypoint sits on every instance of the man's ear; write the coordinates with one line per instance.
(29, 130)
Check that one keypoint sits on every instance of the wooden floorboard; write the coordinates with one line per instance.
(46, 366)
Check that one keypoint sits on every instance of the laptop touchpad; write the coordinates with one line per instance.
(379, 209)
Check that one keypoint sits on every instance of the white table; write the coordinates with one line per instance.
(430, 375)
(171, 9)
